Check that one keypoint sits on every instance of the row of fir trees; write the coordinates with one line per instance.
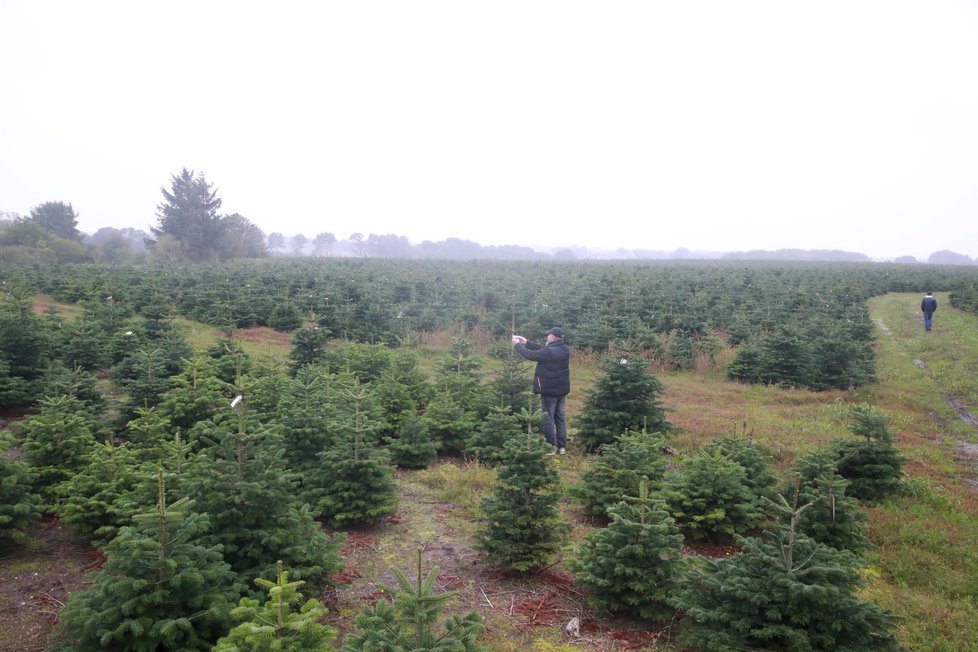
(215, 484)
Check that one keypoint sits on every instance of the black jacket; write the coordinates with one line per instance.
(929, 304)
(552, 375)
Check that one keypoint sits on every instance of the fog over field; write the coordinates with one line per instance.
(653, 126)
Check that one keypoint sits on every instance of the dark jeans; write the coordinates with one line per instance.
(928, 316)
(554, 421)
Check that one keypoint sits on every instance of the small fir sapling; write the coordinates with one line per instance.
(245, 486)
(834, 517)
(410, 621)
(745, 451)
(56, 443)
(412, 447)
(873, 466)
(522, 529)
(490, 436)
(617, 471)
(632, 565)
(93, 502)
(159, 588)
(784, 593)
(625, 398)
(19, 505)
(355, 481)
(274, 625)
(711, 498)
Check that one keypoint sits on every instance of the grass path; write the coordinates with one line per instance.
(926, 563)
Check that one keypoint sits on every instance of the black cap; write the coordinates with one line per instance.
(556, 331)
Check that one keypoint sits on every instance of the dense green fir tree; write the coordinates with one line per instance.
(873, 466)
(511, 383)
(632, 565)
(522, 529)
(711, 498)
(231, 361)
(402, 391)
(834, 518)
(274, 625)
(145, 377)
(409, 623)
(305, 411)
(625, 398)
(412, 446)
(449, 422)
(265, 385)
(147, 432)
(787, 593)
(57, 443)
(488, 439)
(158, 590)
(196, 394)
(242, 482)
(92, 501)
(459, 374)
(354, 482)
(744, 450)
(76, 383)
(618, 470)
(26, 349)
(19, 505)
(308, 347)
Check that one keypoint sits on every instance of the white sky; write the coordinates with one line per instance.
(715, 126)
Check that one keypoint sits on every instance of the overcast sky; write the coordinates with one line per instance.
(714, 126)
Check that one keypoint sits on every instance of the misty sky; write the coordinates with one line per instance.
(714, 126)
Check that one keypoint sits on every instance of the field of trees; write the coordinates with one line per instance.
(763, 456)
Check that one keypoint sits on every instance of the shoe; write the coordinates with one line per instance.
(561, 451)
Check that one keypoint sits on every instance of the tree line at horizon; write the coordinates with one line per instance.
(190, 229)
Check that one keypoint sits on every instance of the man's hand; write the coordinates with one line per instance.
(519, 339)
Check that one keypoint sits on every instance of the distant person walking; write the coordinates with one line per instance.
(928, 306)
(551, 380)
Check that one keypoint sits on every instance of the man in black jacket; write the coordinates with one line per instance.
(928, 306)
(551, 381)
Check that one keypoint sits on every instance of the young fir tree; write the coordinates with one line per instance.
(57, 443)
(632, 565)
(834, 518)
(618, 470)
(711, 497)
(412, 446)
(19, 505)
(308, 347)
(145, 377)
(522, 528)
(354, 482)
(196, 394)
(265, 384)
(76, 383)
(449, 422)
(410, 621)
(241, 481)
(274, 626)
(787, 593)
(159, 589)
(304, 415)
(744, 451)
(92, 501)
(625, 398)
(873, 466)
(487, 441)
(402, 391)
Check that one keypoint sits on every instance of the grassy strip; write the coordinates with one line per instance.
(926, 561)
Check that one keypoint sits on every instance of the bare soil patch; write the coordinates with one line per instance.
(35, 583)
